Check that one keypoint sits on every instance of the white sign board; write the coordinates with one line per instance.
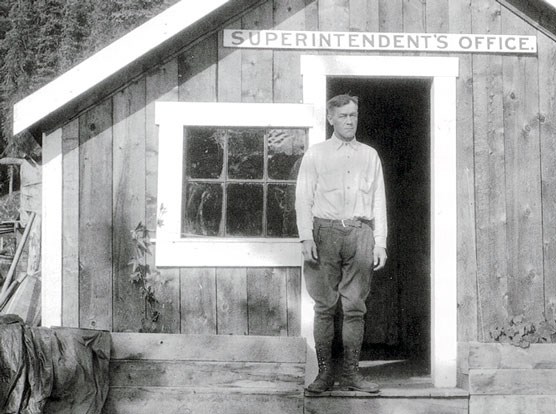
(413, 42)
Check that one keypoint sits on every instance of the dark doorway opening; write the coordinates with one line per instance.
(394, 118)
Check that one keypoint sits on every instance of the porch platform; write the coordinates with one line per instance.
(213, 374)
(414, 396)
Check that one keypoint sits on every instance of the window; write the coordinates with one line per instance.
(240, 182)
(227, 176)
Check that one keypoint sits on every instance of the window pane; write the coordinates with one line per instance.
(281, 210)
(285, 149)
(205, 152)
(246, 153)
(203, 209)
(245, 210)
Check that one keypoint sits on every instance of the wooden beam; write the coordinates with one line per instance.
(276, 376)
(52, 169)
(511, 404)
(444, 232)
(148, 400)
(219, 348)
(503, 356)
(387, 405)
(512, 381)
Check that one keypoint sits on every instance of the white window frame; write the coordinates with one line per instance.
(171, 248)
(442, 71)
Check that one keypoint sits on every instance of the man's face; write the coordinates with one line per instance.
(344, 121)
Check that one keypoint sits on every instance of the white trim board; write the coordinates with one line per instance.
(171, 248)
(110, 60)
(442, 71)
(51, 243)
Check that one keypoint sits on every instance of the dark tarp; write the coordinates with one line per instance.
(57, 370)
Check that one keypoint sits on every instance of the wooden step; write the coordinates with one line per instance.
(165, 373)
(396, 400)
(167, 400)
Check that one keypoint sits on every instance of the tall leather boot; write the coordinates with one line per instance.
(325, 378)
(351, 379)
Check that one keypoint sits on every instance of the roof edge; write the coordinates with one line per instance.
(109, 60)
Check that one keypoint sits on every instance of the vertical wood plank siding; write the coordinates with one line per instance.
(162, 85)
(229, 69)
(547, 115)
(231, 301)
(256, 65)
(198, 300)
(506, 180)
(95, 217)
(460, 22)
(70, 223)
(490, 191)
(129, 200)
(266, 290)
(414, 18)
(523, 184)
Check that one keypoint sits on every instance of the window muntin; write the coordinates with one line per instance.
(240, 182)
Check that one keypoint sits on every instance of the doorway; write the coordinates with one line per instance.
(442, 73)
(394, 118)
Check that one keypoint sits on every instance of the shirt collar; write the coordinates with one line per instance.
(338, 143)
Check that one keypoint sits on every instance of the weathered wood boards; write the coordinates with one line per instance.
(386, 405)
(490, 191)
(161, 85)
(95, 217)
(506, 183)
(128, 199)
(509, 379)
(146, 400)
(523, 183)
(547, 118)
(206, 373)
(70, 220)
(222, 348)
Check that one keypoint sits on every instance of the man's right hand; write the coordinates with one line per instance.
(309, 249)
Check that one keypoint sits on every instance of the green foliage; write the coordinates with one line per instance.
(41, 39)
(145, 278)
(520, 332)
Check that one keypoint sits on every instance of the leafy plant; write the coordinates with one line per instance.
(143, 276)
(520, 332)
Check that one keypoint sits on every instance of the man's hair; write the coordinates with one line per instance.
(340, 100)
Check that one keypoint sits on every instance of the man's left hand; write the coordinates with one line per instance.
(380, 257)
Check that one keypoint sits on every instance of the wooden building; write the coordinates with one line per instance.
(193, 124)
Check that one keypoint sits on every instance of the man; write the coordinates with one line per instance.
(341, 218)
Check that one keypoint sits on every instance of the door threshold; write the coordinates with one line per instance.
(387, 391)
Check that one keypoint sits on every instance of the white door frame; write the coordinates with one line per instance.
(442, 71)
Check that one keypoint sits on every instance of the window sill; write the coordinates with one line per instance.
(228, 253)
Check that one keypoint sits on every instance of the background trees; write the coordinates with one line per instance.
(41, 39)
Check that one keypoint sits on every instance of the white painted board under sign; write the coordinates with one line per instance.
(424, 42)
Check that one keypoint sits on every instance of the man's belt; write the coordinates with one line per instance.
(344, 223)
